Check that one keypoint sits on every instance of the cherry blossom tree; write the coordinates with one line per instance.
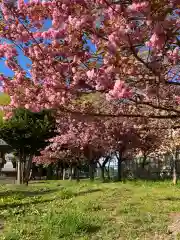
(149, 142)
(134, 64)
(136, 54)
(82, 142)
(171, 144)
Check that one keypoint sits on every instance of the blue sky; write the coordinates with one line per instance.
(23, 61)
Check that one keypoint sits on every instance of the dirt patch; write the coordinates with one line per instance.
(174, 227)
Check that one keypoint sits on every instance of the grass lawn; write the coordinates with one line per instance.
(56, 210)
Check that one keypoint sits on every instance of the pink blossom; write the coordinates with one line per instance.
(139, 7)
(156, 41)
(90, 74)
(119, 91)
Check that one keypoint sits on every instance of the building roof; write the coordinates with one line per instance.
(4, 146)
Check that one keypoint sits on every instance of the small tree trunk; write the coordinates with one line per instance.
(144, 161)
(57, 172)
(40, 172)
(108, 171)
(19, 172)
(102, 173)
(70, 172)
(77, 174)
(119, 176)
(175, 167)
(103, 168)
(22, 172)
(91, 171)
(27, 170)
(64, 173)
(50, 172)
(61, 173)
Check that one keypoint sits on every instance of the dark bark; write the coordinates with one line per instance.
(57, 172)
(102, 173)
(27, 170)
(103, 168)
(22, 172)
(49, 172)
(108, 173)
(20, 169)
(61, 173)
(77, 174)
(144, 161)
(40, 171)
(74, 173)
(91, 171)
(70, 172)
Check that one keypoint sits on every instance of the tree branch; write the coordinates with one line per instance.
(92, 114)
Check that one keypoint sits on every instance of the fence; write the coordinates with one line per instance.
(154, 169)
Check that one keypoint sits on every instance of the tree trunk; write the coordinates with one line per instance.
(119, 175)
(77, 174)
(49, 172)
(70, 172)
(19, 167)
(108, 171)
(175, 155)
(144, 161)
(61, 173)
(102, 173)
(91, 171)
(27, 170)
(64, 173)
(40, 171)
(57, 172)
(22, 172)
(102, 168)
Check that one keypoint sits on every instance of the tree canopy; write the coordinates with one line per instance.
(28, 132)
(135, 56)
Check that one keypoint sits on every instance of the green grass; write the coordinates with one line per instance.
(68, 210)
(4, 100)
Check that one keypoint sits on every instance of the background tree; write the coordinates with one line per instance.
(27, 132)
(171, 145)
(149, 141)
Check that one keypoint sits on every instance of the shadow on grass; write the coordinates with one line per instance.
(38, 182)
(21, 204)
(170, 199)
(93, 229)
(25, 193)
(36, 201)
(86, 192)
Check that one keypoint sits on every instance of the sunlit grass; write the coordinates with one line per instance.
(4, 100)
(68, 210)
